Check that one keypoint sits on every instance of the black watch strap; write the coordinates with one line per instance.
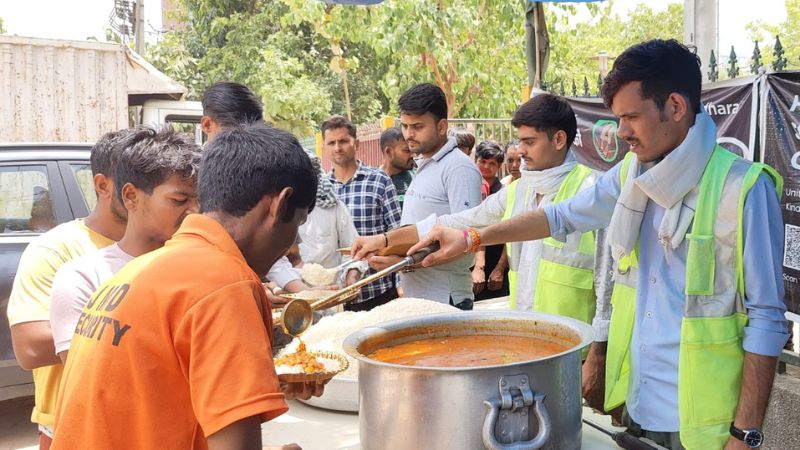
(736, 432)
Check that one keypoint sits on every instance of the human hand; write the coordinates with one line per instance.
(366, 246)
(451, 241)
(303, 390)
(352, 276)
(496, 279)
(478, 280)
(382, 262)
(276, 301)
(735, 444)
(291, 446)
(593, 379)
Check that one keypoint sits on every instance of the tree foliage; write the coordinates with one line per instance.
(2, 30)
(306, 58)
(788, 31)
(574, 46)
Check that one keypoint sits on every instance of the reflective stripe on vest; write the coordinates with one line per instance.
(565, 281)
(710, 354)
(514, 249)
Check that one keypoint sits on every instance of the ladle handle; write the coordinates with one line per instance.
(422, 253)
(338, 298)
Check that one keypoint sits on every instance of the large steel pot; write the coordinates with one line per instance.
(527, 405)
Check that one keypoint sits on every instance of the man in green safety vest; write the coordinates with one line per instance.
(696, 234)
(546, 126)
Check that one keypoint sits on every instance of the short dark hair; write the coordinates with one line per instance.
(390, 136)
(148, 156)
(243, 164)
(663, 67)
(335, 122)
(547, 113)
(463, 137)
(231, 104)
(489, 150)
(424, 98)
(104, 153)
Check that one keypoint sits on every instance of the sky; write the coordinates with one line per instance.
(63, 20)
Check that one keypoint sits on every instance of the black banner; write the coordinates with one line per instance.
(730, 104)
(780, 148)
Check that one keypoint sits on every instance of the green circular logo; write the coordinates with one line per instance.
(604, 138)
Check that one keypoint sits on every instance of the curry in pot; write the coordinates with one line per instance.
(467, 351)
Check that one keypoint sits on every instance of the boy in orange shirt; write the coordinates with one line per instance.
(174, 351)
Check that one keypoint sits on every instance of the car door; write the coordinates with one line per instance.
(32, 201)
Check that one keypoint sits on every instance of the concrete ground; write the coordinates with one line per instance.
(16, 429)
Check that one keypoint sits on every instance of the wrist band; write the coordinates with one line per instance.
(474, 241)
(385, 240)
(468, 240)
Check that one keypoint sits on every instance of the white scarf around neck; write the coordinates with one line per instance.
(548, 181)
(669, 183)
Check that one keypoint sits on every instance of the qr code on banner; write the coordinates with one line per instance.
(791, 249)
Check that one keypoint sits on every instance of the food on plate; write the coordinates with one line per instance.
(467, 351)
(309, 295)
(317, 275)
(302, 361)
(329, 333)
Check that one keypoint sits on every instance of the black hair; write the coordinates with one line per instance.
(231, 104)
(424, 98)
(391, 135)
(489, 150)
(547, 113)
(663, 67)
(335, 122)
(464, 139)
(103, 156)
(148, 156)
(243, 164)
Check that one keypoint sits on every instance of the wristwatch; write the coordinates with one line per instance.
(752, 437)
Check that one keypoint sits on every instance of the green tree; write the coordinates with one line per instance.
(574, 46)
(788, 31)
(472, 49)
(251, 43)
(2, 30)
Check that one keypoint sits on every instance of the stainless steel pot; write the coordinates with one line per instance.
(527, 405)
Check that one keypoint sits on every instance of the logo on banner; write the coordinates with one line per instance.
(604, 138)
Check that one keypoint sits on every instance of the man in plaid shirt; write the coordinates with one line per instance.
(370, 196)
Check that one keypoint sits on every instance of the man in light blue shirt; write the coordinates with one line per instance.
(446, 182)
(654, 91)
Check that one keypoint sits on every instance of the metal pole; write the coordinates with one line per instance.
(138, 27)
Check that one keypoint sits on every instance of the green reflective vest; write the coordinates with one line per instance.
(565, 278)
(711, 354)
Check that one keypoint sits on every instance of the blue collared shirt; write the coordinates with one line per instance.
(653, 392)
(446, 183)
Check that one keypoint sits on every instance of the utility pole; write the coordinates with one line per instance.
(138, 27)
(701, 30)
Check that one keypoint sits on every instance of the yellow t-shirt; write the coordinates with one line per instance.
(30, 297)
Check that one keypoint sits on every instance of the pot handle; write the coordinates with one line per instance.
(489, 423)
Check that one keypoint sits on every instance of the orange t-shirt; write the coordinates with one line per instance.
(171, 349)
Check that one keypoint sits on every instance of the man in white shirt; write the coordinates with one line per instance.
(156, 175)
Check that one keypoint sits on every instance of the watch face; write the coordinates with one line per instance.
(753, 438)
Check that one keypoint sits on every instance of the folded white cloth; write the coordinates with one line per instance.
(671, 183)
(549, 180)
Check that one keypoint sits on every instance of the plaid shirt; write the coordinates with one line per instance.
(372, 200)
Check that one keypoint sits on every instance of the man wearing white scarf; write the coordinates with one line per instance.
(706, 388)
(546, 126)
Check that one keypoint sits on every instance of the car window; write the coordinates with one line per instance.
(83, 174)
(25, 202)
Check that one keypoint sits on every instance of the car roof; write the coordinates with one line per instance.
(44, 151)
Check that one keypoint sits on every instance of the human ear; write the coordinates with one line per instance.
(677, 107)
(130, 197)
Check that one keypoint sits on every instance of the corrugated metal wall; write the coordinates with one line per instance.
(60, 91)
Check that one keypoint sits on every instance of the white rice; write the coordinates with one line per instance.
(331, 365)
(329, 333)
(317, 275)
